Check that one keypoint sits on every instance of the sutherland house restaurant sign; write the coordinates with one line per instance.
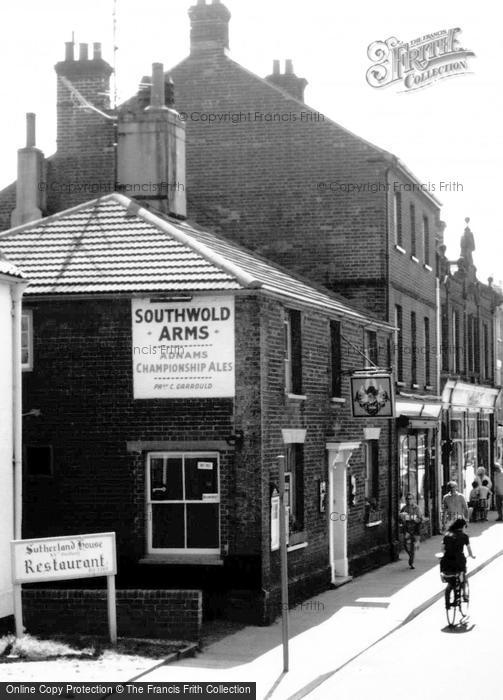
(372, 396)
(183, 348)
(67, 557)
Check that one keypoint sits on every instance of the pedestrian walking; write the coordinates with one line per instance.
(473, 502)
(411, 518)
(454, 506)
(484, 496)
(498, 489)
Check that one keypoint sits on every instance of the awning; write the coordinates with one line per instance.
(462, 395)
(412, 407)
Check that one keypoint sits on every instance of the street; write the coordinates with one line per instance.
(425, 659)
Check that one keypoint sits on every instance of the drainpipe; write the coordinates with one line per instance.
(17, 294)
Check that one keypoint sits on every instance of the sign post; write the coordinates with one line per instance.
(62, 558)
(284, 560)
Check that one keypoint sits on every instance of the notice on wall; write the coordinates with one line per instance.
(183, 349)
(60, 558)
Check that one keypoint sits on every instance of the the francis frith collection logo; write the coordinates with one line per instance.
(417, 63)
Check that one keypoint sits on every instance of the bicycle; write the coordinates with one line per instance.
(457, 595)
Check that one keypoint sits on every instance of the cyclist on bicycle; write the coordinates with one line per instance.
(411, 518)
(454, 560)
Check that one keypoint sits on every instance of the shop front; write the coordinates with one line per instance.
(418, 424)
(469, 432)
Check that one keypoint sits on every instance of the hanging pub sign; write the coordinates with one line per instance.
(183, 348)
(372, 395)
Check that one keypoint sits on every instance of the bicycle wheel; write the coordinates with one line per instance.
(464, 605)
(451, 604)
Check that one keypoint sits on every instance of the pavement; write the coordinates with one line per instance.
(326, 632)
(332, 629)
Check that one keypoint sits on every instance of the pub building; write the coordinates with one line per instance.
(170, 368)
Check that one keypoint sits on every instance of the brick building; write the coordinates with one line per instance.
(471, 386)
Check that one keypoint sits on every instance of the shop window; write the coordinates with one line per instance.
(294, 487)
(370, 349)
(293, 352)
(183, 503)
(27, 340)
(336, 357)
(372, 473)
(413, 240)
(38, 460)
(399, 342)
(397, 215)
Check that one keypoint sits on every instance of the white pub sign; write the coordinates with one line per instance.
(183, 349)
(60, 558)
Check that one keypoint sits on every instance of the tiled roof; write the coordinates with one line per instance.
(112, 245)
(7, 268)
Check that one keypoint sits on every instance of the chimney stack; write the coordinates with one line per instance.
(96, 50)
(209, 27)
(69, 48)
(30, 184)
(151, 151)
(287, 81)
(83, 52)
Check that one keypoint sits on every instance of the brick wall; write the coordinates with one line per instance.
(82, 384)
(157, 614)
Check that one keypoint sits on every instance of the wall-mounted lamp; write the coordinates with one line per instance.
(33, 412)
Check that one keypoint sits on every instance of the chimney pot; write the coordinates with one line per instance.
(275, 67)
(69, 47)
(96, 50)
(30, 130)
(289, 66)
(157, 94)
(83, 55)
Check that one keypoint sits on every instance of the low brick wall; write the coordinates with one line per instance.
(160, 614)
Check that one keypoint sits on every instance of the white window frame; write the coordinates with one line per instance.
(179, 551)
(27, 315)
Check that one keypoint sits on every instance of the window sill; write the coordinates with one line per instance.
(337, 399)
(399, 249)
(428, 387)
(296, 397)
(414, 259)
(297, 538)
(400, 384)
(428, 267)
(179, 559)
(374, 524)
(293, 547)
(414, 386)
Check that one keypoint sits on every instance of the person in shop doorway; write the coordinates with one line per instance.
(498, 490)
(454, 506)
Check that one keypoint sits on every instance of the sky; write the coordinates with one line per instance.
(448, 132)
